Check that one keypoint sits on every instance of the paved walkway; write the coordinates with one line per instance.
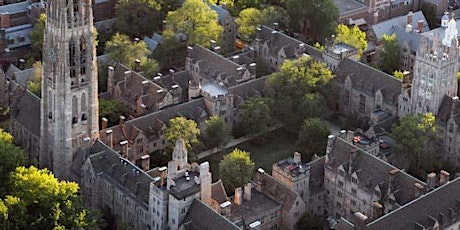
(235, 142)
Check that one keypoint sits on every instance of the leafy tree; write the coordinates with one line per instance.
(112, 110)
(146, 15)
(236, 169)
(312, 138)
(317, 18)
(37, 34)
(180, 127)
(12, 157)
(35, 83)
(120, 48)
(310, 221)
(417, 136)
(217, 132)
(38, 200)
(297, 90)
(398, 74)
(255, 116)
(390, 54)
(5, 138)
(193, 23)
(353, 37)
(250, 18)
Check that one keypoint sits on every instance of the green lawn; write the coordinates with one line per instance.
(266, 150)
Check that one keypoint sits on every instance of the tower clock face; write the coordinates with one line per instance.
(52, 54)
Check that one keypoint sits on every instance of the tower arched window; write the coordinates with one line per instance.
(82, 56)
(83, 107)
(72, 61)
(50, 104)
(74, 110)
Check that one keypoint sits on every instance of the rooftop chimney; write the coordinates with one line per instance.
(247, 191)
(163, 174)
(419, 189)
(420, 26)
(297, 158)
(124, 149)
(255, 225)
(109, 135)
(410, 15)
(104, 123)
(137, 65)
(408, 28)
(330, 142)
(238, 198)
(443, 177)
(225, 209)
(431, 180)
(375, 17)
(145, 162)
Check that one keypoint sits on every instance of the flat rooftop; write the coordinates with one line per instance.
(346, 6)
(185, 188)
(289, 166)
(214, 90)
(258, 205)
(342, 48)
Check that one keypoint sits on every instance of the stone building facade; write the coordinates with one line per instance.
(69, 105)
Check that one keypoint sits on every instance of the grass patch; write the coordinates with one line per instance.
(265, 150)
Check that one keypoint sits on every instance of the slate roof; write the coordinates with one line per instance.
(369, 80)
(202, 217)
(279, 192)
(221, 12)
(22, 76)
(346, 6)
(277, 40)
(371, 171)
(253, 209)
(15, 8)
(26, 110)
(412, 38)
(218, 192)
(386, 26)
(126, 175)
(442, 204)
(153, 42)
(17, 32)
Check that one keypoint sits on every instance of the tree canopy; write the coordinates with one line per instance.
(121, 49)
(297, 90)
(390, 54)
(34, 85)
(313, 138)
(37, 34)
(315, 18)
(353, 37)
(193, 23)
(180, 127)
(417, 138)
(250, 18)
(131, 17)
(216, 132)
(236, 169)
(255, 116)
(12, 157)
(111, 110)
(37, 200)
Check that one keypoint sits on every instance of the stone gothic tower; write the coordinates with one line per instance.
(435, 71)
(69, 105)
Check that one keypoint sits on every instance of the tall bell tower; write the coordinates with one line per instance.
(69, 105)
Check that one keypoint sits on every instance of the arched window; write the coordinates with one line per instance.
(74, 110)
(83, 107)
(50, 104)
(72, 52)
(82, 56)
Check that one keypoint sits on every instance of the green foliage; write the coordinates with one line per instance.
(255, 116)
(194, 21)
(417, 136)
(12, 157)
(312, 138)
(5, 138)
(138, 18)
(217, 132)
(318, 46)
(317, 18)
(390, 54)
(37, 34)
(353, 37)
(120, 48)
(251, 18)
(34, 85)
(112, 110)
(297, 91)
(236, 169)
(37, 200)
(310, 221)
(183, 128)
(398, 74)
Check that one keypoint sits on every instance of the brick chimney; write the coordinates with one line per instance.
(163, 175)
(297, 158)
(419, 189)
(255, 225)
(247, 191)
(361, 220)
(443, 177)
(410, 15)
(375, 18)
(225, 209)
(110, 77)
(124, 149)
(420, 26)
(238, 198)
(145, 162)
(104, 123)
(431, 181)
(137, 65)
(109, 136)
(330, 142)
(205, 180)
(260, 179)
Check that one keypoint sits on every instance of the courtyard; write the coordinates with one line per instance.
(265, 150)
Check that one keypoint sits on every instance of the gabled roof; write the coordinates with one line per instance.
(202, 217)
(386, 26)
(279, 192)
(15, 8)
(412, 39)
(26, 110)
(106, 162)
(218, 192)
(441, 204)
(369, 80)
